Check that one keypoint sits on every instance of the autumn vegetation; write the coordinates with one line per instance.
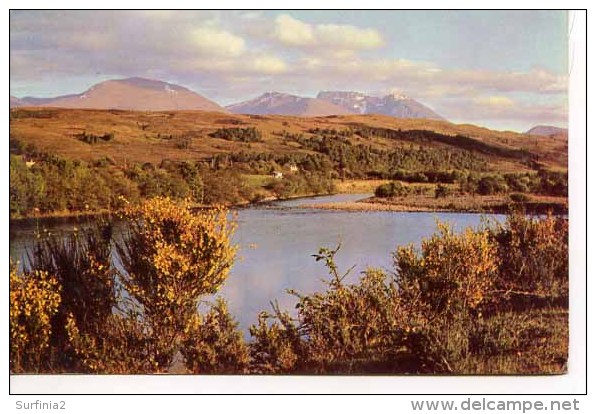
(491, 300)
(66, 161)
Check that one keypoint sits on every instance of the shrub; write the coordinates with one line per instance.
(276, 347)
(93, 139)
(250, 134)
(120, 347)
(519, 198)
(81, 265)
(392, 189)
(534, 255)
(34, 300)
(553, 183)
(444, 275)
(214, 345)
(361, 327)
(442, 191)
(518, 182)
(491, 185)
(354, 328)
(171, 257)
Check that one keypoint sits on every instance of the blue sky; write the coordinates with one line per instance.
(501, 69)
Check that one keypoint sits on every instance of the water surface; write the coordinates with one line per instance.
(276, 243)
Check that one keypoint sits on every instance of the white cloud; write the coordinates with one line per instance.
(350, 37)
(217, 42)
(269, 65)
(243, 67)
(504, 108)
(495, 101)
(293, 32)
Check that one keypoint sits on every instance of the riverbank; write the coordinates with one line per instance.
(458, 204)
(61, 215)
(88, 214)
(499, 204)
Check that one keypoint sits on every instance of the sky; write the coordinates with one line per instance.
(499, 69)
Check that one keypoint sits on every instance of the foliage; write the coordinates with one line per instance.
(224, 186)
(392, 189)
(94, 139)
(460, 141)
(519, 197)
(250, 134)
(442, 191)
(52, 184)
(214, 345)
(81, 264)
(276, 345)
(171, 257)
(491, 185)
(443, 276)
(553, 183)
(366, 161)
(120, 347)
(300, 184)
(487, 300)
(34, 300)
(353, 328)
(534, 255)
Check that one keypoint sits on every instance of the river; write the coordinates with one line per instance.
(276, 243)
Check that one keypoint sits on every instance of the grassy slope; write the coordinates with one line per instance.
(139, 135)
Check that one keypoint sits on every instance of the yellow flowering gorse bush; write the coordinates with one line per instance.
(172, 257)
(34, 300)
(452, 271)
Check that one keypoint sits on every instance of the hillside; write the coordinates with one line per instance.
(66, 161)
(154, 136)
(547, 131)
(128, 94)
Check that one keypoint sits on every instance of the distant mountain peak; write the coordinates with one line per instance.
(546, 130)
(133, 93)
(278, 103)
(395, 104)
(147, 83)
(398, 96)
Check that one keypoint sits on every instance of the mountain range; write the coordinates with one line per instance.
(143, 94)
(334, 103)
(396, 105)
(276, 103)
(153, 95)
